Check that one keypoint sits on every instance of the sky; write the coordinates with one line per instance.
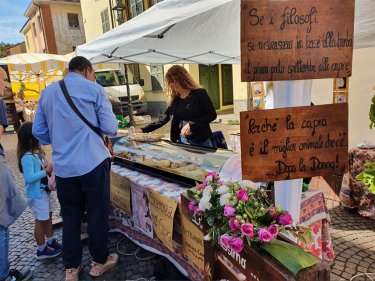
(12, 20)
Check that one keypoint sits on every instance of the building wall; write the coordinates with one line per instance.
(92, 21)
(67, 37)
(240, 90)
(35, 39)
(50, 38)
(361, 90)
(18, 49)
(29, 39)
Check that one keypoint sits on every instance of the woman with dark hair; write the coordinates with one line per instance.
(190, 110)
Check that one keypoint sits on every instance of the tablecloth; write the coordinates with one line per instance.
(354, 194)
(314, 214)
(132, 227)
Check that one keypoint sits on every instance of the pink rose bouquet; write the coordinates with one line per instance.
(237, 213)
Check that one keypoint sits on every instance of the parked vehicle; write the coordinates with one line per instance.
(114, 83)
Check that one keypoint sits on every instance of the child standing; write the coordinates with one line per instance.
(35, 168)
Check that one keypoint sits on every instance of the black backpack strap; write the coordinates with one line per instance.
(73, 106)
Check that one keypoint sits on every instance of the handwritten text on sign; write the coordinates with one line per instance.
(120, 192)
(162, 213)
(192, 240)
(295, 39)
(292, 143)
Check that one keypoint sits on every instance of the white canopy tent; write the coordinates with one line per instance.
(193, 31)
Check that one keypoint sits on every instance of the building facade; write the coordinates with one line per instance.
(53, 26)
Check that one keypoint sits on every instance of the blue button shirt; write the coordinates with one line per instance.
(3, 121)
(76, 149)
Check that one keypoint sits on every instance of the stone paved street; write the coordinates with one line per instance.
(353, 239)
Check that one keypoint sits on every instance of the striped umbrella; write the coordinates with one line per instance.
(35, 67)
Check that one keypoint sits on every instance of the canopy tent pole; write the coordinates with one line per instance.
(130, 105)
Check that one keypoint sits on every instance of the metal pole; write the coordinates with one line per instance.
(130, 106)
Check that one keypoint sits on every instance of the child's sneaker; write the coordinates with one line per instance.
(15, 275)
(47, 253)
(56, 245)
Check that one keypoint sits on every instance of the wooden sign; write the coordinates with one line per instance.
(291, 143)
(194, 228)
(296, 39)
(120, 192)
(192, 241)
(162, 213)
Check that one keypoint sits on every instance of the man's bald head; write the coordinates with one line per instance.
(3, 81)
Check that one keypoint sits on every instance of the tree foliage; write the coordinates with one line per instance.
(4, 49)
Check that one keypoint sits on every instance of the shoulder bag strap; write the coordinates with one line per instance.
(73, 106)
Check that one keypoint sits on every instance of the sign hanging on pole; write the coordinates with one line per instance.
(295, 39)
(292, 143)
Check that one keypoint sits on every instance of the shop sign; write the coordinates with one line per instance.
(120, 192)
(296, 39)
(297, 142)
(162, 213)
(192, 241)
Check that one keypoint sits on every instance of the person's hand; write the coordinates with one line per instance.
(185, 131)
(138, 130)
(49, 168)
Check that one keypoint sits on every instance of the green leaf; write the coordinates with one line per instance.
(292, 257)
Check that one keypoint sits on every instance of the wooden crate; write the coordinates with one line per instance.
(252, 263)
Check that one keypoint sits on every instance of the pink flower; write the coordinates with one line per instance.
(210, 177)
(242, 195)
(285, 219)
(273, 213)
(225, 239)
(234, 224)
(247, 229)
(192, 206)
(198, 211)
(214, 175)
(200, 187)
(236, 244)
(229, 211)
(273, 230)
(264, 235)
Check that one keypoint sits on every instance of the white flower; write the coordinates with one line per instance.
(249, 184)
(223, 189)
(207, 237)
(204, 203)
(207, 190)
(224, 199)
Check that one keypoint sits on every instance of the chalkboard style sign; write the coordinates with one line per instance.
(297, 142)
(295, 39)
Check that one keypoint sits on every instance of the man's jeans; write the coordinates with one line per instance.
(4, 247)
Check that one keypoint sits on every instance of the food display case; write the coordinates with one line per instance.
(184, 163)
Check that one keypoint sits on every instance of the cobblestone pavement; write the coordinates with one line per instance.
(352, 235)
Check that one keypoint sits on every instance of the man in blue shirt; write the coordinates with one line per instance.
(81, 162)
(12, 203)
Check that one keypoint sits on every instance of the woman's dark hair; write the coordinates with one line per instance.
(79, 64)
(26, 142)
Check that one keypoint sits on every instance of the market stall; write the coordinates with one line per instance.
(208, 32)
(148, 190)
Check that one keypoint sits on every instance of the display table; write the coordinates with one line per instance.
(135, 221)
(354, 194)
(314, 214)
